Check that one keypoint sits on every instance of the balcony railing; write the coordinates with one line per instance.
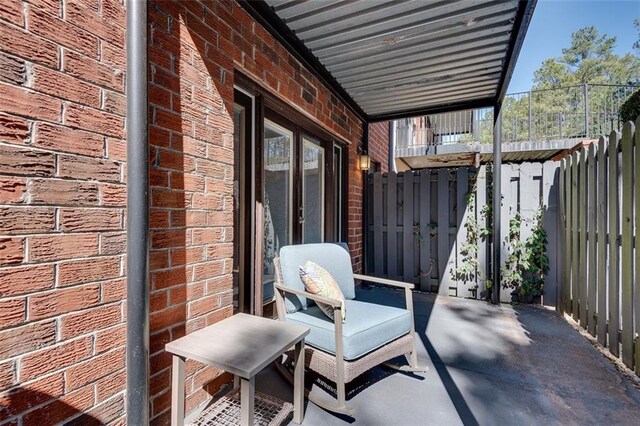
(573, 112)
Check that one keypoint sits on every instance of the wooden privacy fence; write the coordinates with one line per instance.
(416, 223)
(599, 199)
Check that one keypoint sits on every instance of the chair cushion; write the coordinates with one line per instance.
(332, 257)
(368, 327)
(318, 281)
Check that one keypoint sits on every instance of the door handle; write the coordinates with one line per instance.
(301, 216)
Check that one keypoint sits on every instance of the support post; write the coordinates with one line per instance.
(530, 112)
(137, 216)
(497, 200)
(586, 110)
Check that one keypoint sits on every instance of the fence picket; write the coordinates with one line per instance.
(560, 307)
(614, 208)
(626, 301)
(481, 202)
(378, 253)
(462, 188)
(602, 242)
(407, 231)
(591, 240)
(443, 231)
(425, 230)
(568, 233)
(582, 211)
(575, 269)
(392, 226)
(636, 287)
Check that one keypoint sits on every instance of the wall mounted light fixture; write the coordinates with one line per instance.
(365, 162)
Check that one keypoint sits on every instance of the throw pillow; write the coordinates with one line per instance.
(318, 280)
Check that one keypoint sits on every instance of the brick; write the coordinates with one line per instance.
(12, 312)
(116, 149)
(167, 318)
(63, 86)
(61, 409)
(27, 103)
(7, 375)
(102, 414)
(93, 369)
(25, 161)
(88, 270)
(111, 338)
(92, 71)
(208, 235)
(16, 341)
(113, 195)
(171, 277)
(52, 6)
(13, 129)
(114, 103)
(183, 256)
(74, 167)
(11, 251)
(29, 46)
(61, 301)
(30, 395)
(57, 247)
(208, 202)
(114, 290)
(113, 56)
(189, 218)
(82, 220)
(90, 320)
(159, 259)
(55, 29)
(169, 199)
(110, 385)
(12, 70)
(203, 306)
(22, 280)
(26, 220)
(54, 358)
(202, 271)
(113, 243)
(169, 238)
(78, 14)
(173, 160)
(65, 139)
(62, 192)
(187, 182)
(94, 120)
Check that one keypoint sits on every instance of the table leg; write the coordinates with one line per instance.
(298, 383)
(177, 391)
(247, 390)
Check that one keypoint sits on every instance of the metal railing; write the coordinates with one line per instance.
(572, 112)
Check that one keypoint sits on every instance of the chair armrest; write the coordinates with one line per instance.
(336, 304)
(384, 281)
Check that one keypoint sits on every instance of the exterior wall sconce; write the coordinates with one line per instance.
(365, 162)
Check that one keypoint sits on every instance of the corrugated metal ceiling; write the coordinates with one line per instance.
(403, 55)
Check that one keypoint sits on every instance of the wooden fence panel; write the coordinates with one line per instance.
(550, 220)
(378, 252)
(443, 231)
(591, 240)
(561, 305)
(636, 281)
(568, 265)
(483, 258)
(614, 285)
(602, 242)
(425, 267)
(462, 212)
(626, 282)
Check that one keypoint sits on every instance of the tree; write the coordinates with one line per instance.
(636, 45)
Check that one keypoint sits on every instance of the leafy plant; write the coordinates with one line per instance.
(515, 264)
(630, 109)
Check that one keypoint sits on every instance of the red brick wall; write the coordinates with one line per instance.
(62, 192)
(62, 210)
(379, 144)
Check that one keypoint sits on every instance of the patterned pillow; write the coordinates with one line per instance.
(318, 280)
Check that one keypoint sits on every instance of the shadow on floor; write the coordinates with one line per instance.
(487, 365)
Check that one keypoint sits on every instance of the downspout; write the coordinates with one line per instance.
(497, 201)
(137, 216)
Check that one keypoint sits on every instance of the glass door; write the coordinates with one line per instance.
(278, 161)
(313, 194)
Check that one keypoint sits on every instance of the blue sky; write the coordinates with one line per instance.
(553, 22)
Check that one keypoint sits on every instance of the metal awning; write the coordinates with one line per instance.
(398, 58)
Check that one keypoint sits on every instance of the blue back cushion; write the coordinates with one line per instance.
(334, 258)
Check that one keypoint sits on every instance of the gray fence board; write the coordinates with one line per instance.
(614, 285)
(481, 202)
(443, 228)
(591, 240)
(636, 287)
(626, 282)
(575, 268)
(425, 230)
(407, 238)
(392, 223)
(601, 331)
(582, 211)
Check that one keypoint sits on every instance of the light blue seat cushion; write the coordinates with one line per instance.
(332, 257)
(368, 327)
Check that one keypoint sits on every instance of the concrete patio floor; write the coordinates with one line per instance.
(487, 365)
